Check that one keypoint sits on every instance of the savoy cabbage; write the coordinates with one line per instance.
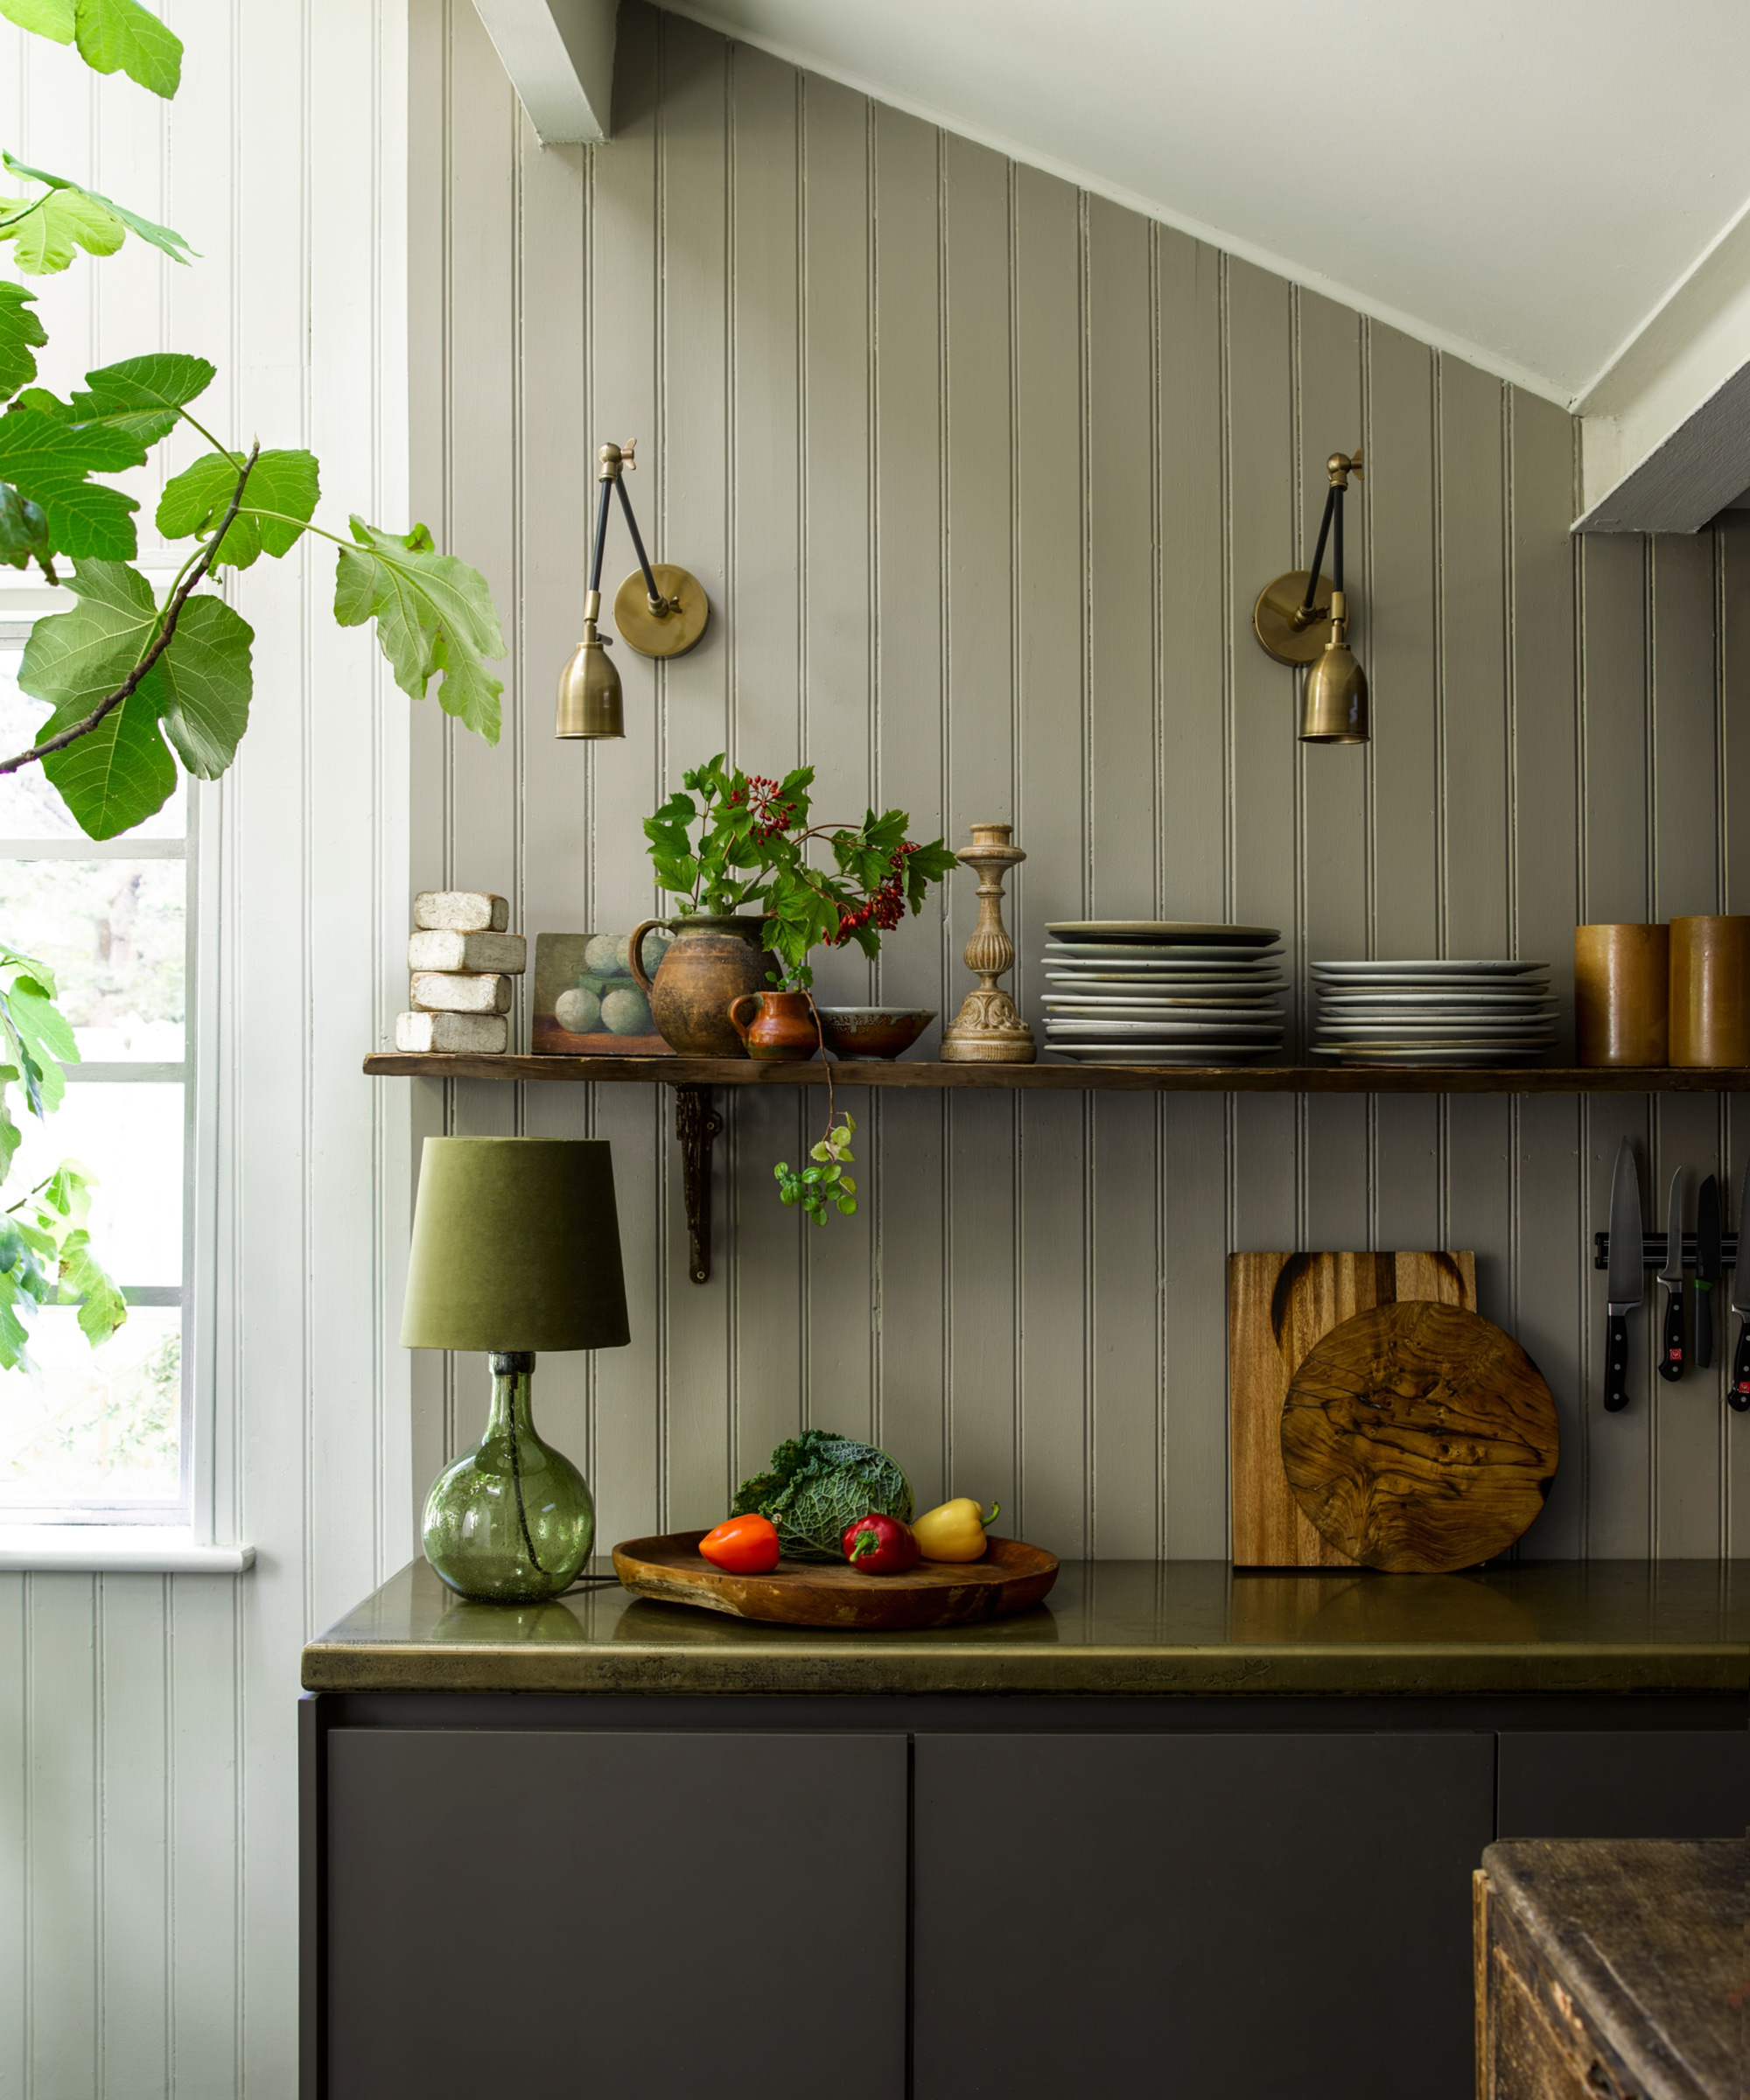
(817, 1486)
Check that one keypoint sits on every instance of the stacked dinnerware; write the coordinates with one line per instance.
(1154, 991)
(1433, 1013)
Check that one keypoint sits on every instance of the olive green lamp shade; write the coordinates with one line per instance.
(515, 1246)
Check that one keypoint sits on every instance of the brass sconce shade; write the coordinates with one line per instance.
(660, 610)
(1333, 707)
(1300, 619)
(515, 1247)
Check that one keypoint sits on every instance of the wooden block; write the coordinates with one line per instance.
(475, 1032)
(445, 949)
(461, 911)
(452, 992)
(1278, 1307)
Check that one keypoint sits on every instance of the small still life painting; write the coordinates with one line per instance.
(587, 1002)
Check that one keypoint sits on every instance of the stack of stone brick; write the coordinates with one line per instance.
(462, 961)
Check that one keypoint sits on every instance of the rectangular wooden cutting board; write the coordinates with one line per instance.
(1278, 1307)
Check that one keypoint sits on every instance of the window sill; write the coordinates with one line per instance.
(115, 1549)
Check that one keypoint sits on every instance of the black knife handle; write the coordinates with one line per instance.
(1739, 1391)
(1703, 1326)
(1616, 1365)
(1671, 1351)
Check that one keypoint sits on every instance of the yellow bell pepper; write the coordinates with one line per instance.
(955, 1532)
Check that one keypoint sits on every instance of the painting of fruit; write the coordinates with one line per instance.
(587, 1002)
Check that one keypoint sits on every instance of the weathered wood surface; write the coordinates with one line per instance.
(1278, 1307)
(1085, 1079)
(1419, 1438)
(1011, 1578)
(1611, 1970)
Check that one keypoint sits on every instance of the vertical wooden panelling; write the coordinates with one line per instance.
(906, 1194)
(1050, 818)
(988, 474)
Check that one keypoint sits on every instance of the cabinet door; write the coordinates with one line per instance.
(1626, 1783)
(1249, 1916)
(534, 1913)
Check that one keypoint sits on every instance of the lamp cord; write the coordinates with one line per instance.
(601, 536)
(521, 1514)
(637, 542)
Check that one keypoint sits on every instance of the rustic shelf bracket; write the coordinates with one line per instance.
(696, 1125)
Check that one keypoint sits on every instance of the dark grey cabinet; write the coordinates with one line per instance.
(1625, 1783)
(511, 1912)
(1242, 1915)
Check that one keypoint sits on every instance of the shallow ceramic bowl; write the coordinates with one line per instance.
(873, 1030)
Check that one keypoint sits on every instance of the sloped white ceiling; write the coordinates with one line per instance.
(1523, 181)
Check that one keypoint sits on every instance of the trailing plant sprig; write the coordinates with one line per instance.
(751, 847)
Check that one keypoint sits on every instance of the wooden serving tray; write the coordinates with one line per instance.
(1011, 1578)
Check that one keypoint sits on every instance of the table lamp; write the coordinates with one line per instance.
(515, 1250)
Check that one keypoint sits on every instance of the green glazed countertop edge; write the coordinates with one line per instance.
(1111, 1627)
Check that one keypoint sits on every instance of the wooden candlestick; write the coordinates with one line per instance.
(987, 1029)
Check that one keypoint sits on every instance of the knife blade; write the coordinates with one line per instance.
(1671, 1275)
(1707, 1268)
(1627, 1283)
(1738, 1390)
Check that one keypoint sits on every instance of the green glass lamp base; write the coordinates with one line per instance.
(512, 1521)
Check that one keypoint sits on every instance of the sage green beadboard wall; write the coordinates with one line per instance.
(982, 475)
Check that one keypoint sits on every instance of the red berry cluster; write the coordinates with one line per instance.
(772, 816)
(886, 907)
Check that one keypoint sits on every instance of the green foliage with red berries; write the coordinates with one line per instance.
(751, 847)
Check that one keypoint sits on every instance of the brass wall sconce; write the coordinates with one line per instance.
(660, 610)
(1290, 619)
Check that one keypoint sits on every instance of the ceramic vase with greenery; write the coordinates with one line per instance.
(727, 838)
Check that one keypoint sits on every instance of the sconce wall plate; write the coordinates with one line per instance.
(677, 631)
(1273, 617)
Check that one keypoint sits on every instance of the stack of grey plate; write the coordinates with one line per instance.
(1162, 991)
(1447, 1013)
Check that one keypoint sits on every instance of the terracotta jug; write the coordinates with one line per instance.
(775, 1024)
(709, 963)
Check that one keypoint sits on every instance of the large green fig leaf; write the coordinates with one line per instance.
(201, 685)
(278, 502)
(75, 659)
(46, 229)
(433, 613)
(113, 36)
(47, 460)
(141, 394)
(23, 531)
(20, 333)
(118, 774)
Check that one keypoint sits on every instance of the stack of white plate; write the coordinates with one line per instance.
(1162, 991)
(1434, 1013)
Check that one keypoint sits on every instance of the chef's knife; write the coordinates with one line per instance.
(1671, 1275)
(1707, 1268)
(1738, 1391)
(1626, 1286)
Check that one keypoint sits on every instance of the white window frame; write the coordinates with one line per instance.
(156, 1537)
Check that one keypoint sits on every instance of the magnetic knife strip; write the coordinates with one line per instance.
(1653, 1249)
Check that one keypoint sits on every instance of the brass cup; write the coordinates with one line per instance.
(1622, 994)
(1709, 989)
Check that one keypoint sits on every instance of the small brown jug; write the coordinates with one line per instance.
(710, 961)
(783, 1024)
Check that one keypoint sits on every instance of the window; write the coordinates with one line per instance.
(101, 1435)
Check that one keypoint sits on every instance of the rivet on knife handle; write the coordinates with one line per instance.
(1739, 1391)
(1616, 1365)
(1671, 1352)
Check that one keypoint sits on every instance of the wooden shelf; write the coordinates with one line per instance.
(1097, 1079)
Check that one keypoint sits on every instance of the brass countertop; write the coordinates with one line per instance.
(1123, 1627)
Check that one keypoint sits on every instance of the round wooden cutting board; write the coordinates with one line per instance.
(1419, 1438)
(1011, 1578)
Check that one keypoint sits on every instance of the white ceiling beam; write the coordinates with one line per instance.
(1665, 428)
(559, 54)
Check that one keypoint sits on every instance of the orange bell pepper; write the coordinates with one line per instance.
(746, 1545)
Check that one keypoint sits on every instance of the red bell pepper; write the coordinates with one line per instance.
(881, 1545)
(744, 1545)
